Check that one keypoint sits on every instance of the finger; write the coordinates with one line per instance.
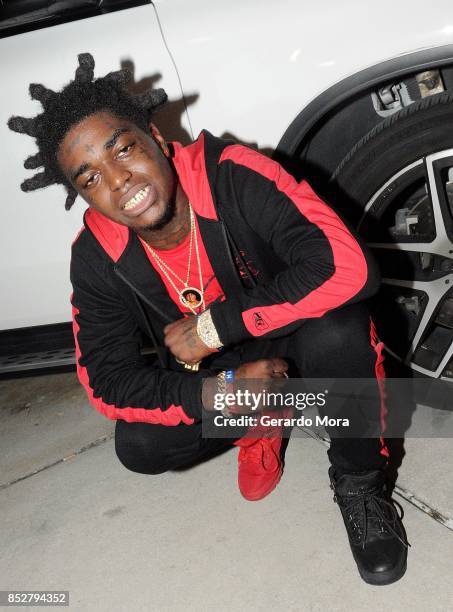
(175, 333)
(174, 324)
(173, 337)
(266, 366)
(168, 328)
(270, 366)
(279, 365)
(167, 341)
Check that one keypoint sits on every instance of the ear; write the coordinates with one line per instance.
(157, 136)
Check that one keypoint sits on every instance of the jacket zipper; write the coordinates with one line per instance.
(138, 294)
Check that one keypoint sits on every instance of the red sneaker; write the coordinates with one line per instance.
(260, 466)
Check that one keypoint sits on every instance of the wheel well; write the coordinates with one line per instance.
(326, 129)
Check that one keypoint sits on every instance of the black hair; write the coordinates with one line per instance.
(79, 99)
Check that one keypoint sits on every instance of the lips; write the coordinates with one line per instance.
(138, 199)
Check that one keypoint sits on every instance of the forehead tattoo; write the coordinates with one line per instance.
(74, 143)
(89, 148)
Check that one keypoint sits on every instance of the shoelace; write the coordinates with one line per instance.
(256, 453)
(370, 505)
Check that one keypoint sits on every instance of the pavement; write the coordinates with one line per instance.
(73, 518)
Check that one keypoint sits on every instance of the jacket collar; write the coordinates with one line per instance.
(190, 165)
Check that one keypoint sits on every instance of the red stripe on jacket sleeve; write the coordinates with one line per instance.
(174, 415)
(351, 269)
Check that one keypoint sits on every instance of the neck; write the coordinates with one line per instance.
(175, 231)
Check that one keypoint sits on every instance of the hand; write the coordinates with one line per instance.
(182, 340)
(263, 368)
(267, 375)
(257, 376)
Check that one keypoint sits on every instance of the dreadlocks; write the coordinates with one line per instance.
(79, 99)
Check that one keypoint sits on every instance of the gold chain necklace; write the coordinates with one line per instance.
(190, 297)
(164, 267)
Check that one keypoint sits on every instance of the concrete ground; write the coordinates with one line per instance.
(72, 518)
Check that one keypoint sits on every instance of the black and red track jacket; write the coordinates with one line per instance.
(258, 224)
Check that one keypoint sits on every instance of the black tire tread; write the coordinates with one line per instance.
(424, 104)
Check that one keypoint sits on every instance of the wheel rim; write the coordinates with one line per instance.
(408, 223)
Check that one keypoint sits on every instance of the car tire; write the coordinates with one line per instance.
(378, 183)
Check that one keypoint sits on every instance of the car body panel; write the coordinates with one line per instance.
(256, 65)
(247, 69)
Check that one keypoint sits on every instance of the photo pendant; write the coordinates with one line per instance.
(191, 297)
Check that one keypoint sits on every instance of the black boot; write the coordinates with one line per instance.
(376, 533)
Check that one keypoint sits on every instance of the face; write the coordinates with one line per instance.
(191, 297)
(120, 171)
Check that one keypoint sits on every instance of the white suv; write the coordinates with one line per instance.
(355, 96)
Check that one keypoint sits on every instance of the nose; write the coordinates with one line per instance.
(116, 176)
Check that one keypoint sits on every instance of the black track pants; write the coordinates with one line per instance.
(336, 345)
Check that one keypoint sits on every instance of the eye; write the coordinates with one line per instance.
(124, 151)
(91, 180)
